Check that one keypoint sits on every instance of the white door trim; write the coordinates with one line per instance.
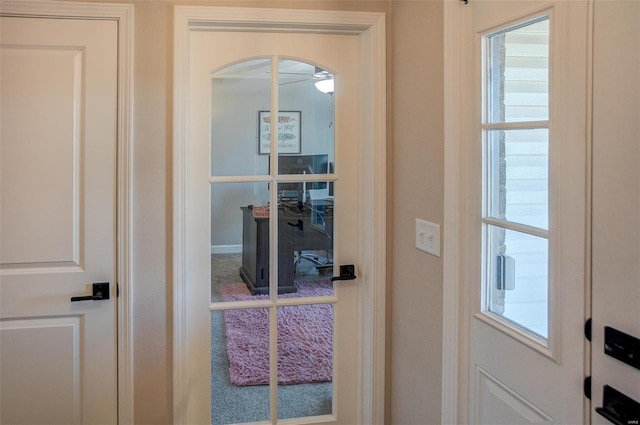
(455, 334)
(370, 28)
(123, 14)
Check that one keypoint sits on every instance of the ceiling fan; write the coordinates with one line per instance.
(319, 75)
(323, 80)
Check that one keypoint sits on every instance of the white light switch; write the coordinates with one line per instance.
(428, 237)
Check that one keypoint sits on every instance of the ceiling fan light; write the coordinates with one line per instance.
(325, 86)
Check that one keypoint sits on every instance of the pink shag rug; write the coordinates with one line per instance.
(305, 337)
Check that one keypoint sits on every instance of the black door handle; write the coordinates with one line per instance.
(618, 408)
(622, 346)
(88, 297)
(299, 225)
(100, 292)
(347, 272)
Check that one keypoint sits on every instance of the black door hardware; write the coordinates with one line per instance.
(618, 408)
(587, 329)
(621, 346)
(347, 272)
(100, 292)
(586, 387)
(299, 225)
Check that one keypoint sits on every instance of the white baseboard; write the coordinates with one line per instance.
(226, 249)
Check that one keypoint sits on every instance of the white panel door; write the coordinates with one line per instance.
(616, 200)
(57, 221)
(525, 117)
(209, 52)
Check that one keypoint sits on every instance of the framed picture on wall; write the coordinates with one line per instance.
(289, 130)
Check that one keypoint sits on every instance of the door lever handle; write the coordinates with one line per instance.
(618, 408)
(347, 272)
(299, 225)
(100, 292)
(97, 297)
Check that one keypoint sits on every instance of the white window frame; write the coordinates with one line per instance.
(534, 341)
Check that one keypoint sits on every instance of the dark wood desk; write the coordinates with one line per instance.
(308, 229)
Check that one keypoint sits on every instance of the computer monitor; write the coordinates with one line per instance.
(302, 164)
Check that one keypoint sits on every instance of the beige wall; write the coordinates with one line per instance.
(415, 54)
(416, 191)
(151, 280)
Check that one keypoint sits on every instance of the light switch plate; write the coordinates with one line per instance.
(428, 237)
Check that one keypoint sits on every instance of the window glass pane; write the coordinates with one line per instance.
(305, 121)
(517, 278)
(518, 176)
(305, 360)
(239, 92)
(518, 71)
(239, 364)
(305, 238)
(239, 236)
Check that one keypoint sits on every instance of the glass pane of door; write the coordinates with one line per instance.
(516, 175)
(244, 180)
(305, 360)
(240, 364)
(518, 73)
(240, 357)
(305, 239)
(518, 278)
(305, 242)
(305, 121)
(239, 238)
(305, 231)
(238, 92)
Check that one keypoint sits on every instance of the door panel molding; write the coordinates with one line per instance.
(503, 401)
(123, 14)
(59, 343)
(23, 222)
(370, 29)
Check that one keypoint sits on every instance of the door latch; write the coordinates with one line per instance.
(100, 292)
(586, 387)
(347, 272)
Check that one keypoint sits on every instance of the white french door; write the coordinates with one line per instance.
(272, 208)
(525, 130)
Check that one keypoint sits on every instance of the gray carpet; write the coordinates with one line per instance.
(231, 404)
